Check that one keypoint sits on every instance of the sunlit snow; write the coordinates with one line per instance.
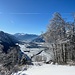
(49, 70)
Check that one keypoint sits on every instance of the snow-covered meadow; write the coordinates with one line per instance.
(45, 69)
(46, 55)
(48, 69)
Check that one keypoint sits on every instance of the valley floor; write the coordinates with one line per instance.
(48, 69)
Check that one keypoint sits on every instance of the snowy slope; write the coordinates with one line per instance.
(35, 53)
(49, 70)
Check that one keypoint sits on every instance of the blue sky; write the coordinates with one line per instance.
(32, 16)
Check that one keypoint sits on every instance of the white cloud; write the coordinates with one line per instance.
(29, 13)
(25, 13)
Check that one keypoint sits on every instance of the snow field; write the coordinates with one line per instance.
(48, 69)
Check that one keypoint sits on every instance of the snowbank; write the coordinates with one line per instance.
(49, 70)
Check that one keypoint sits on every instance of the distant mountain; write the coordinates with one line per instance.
(25, 37)
(7, 40)
(38, 39)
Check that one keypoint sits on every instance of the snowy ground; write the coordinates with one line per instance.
(45, 69)
(46, 55)
(49, 69)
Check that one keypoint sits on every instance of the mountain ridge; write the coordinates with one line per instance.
(25, 37)
(7, 40)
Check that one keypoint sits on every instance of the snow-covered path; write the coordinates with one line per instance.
(50, 70)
